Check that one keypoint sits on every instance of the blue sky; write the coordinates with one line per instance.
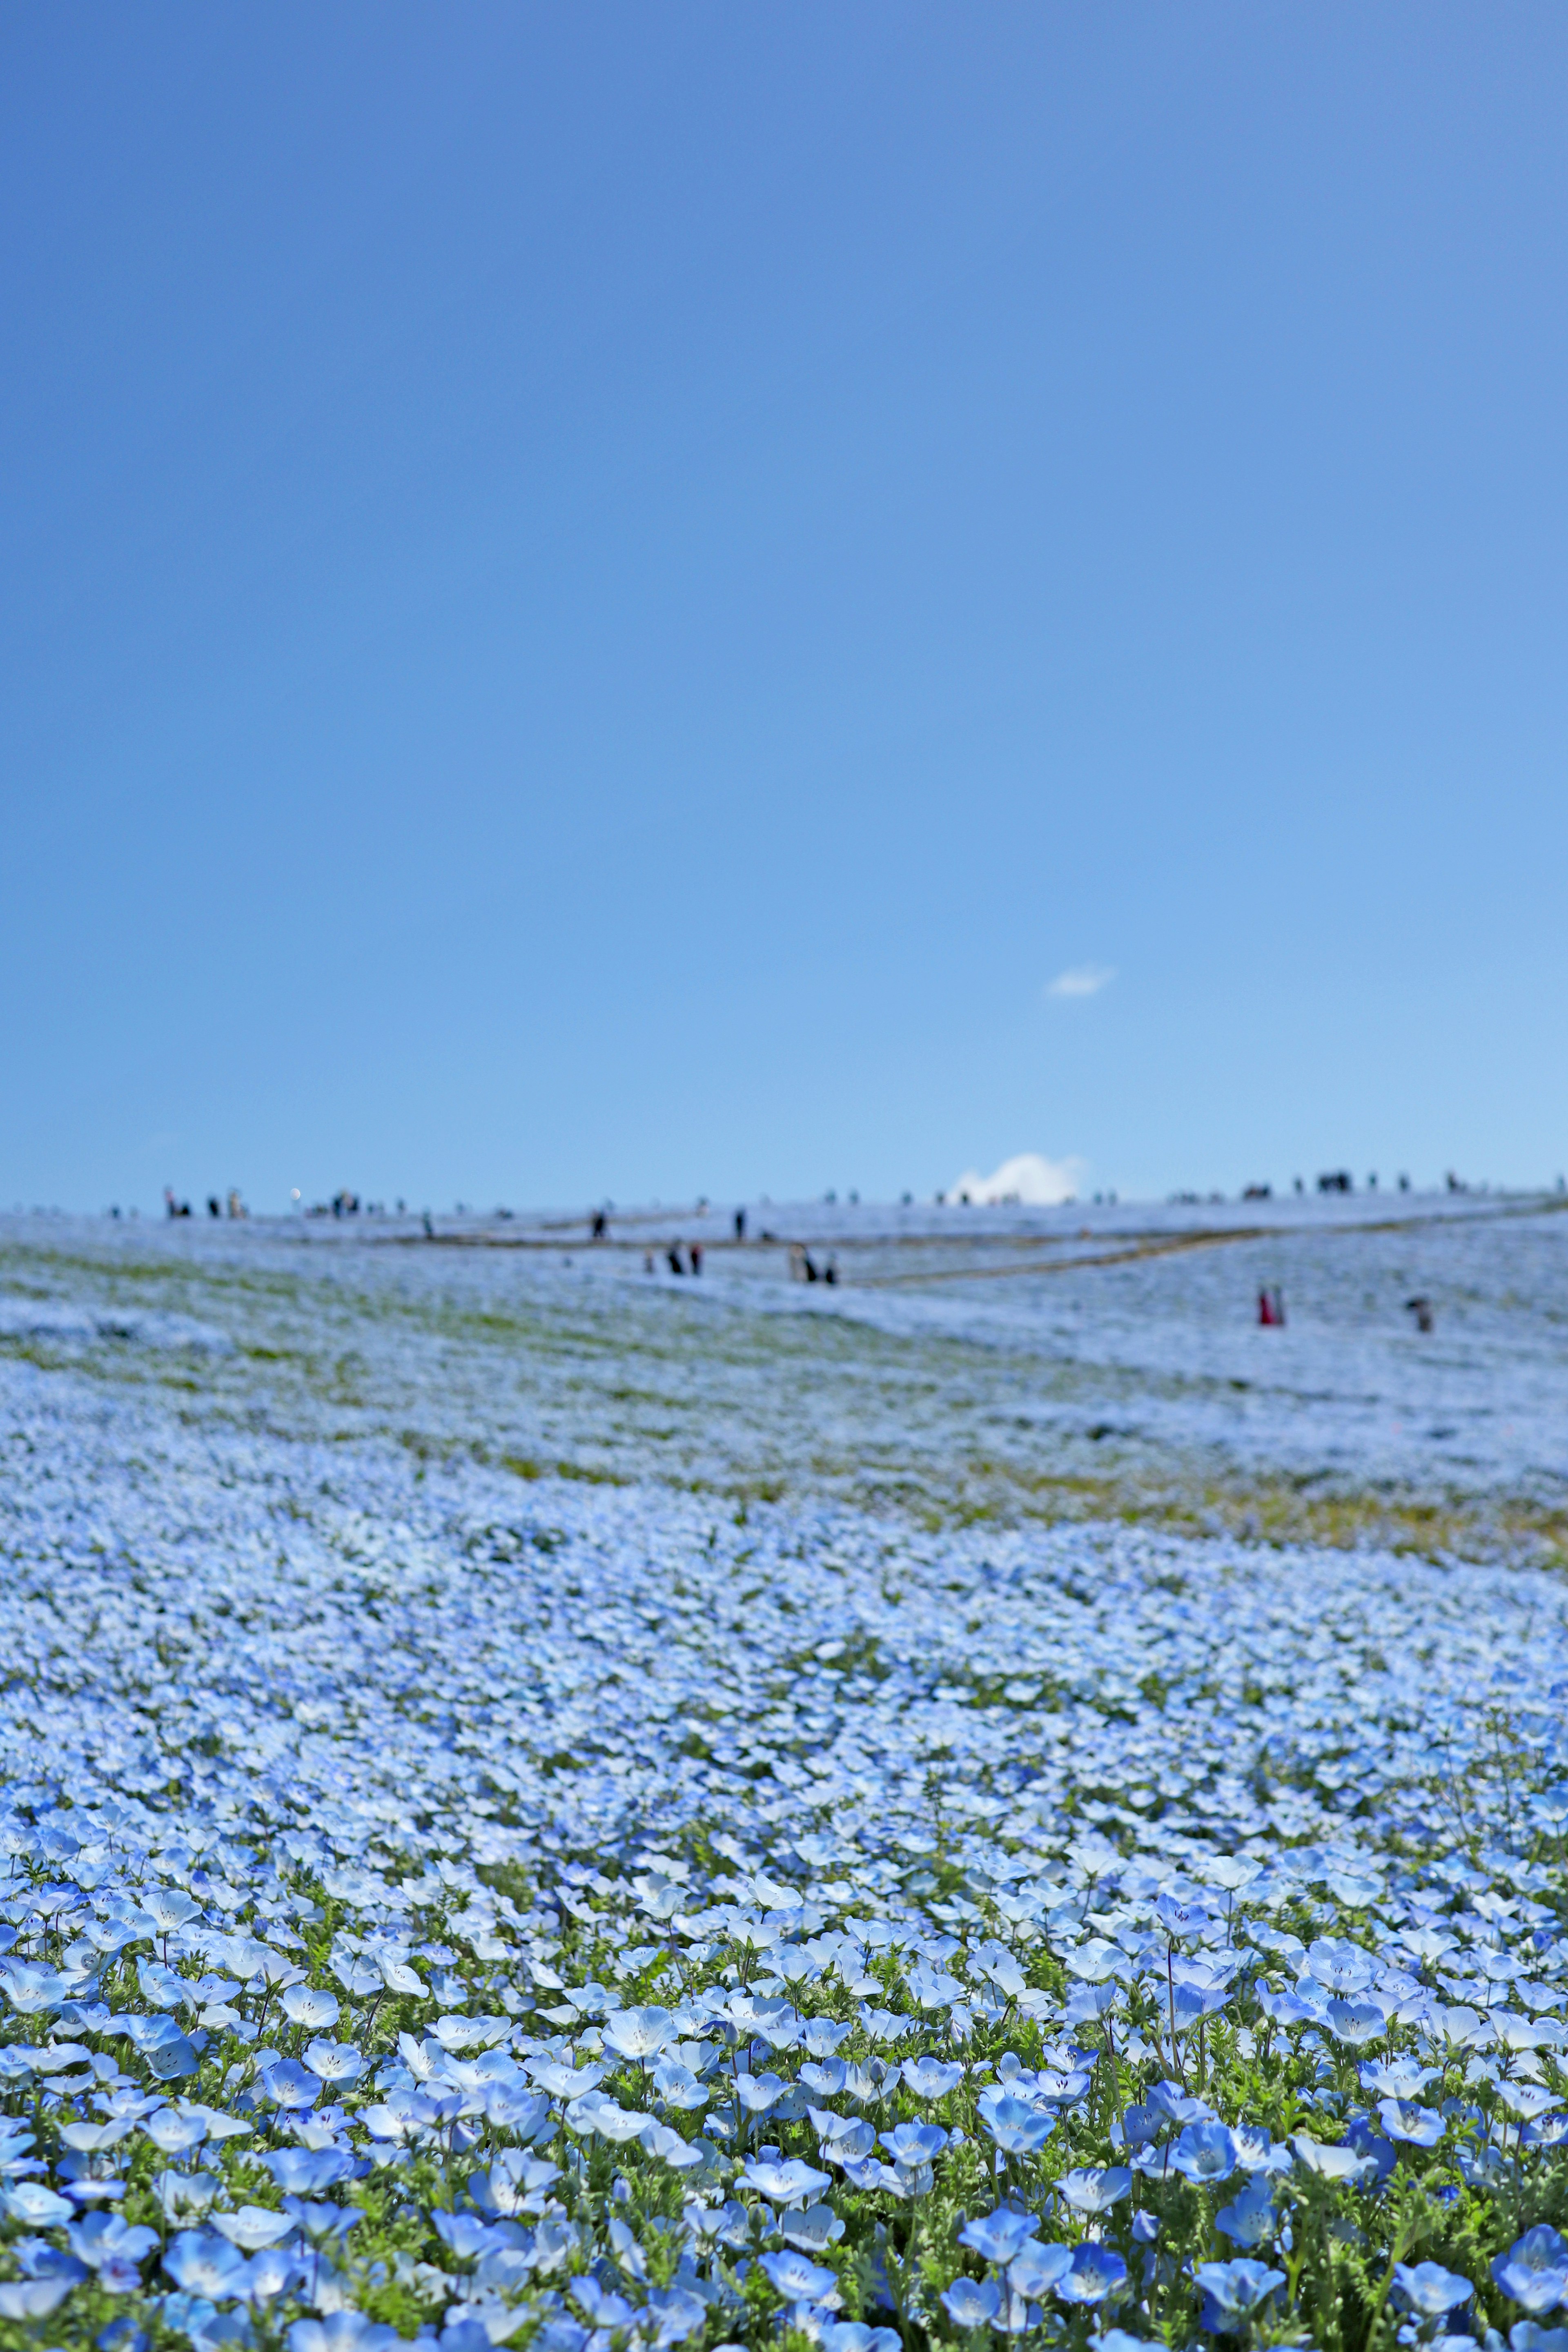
(596, 602)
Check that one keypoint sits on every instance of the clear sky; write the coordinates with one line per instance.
(598, 600)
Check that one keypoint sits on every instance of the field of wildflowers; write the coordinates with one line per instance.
(452, 1906)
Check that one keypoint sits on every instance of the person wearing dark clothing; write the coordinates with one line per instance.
(740, 1225)
(673, 1258)
(696, 1255)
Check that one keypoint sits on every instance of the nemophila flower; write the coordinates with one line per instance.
(786, 2181)
(811, 2229)
(971, 2303)
(334, 2061)
(206, 2265)
(758, 2093)
(286, 2083)
(915, 2143)
(30, 2201)
(1524, 2336)
(26, 2299)
(1017, 2130)
(1356, 2023)
(309, 2006)
(997, 2237)
(1249, 2218)
(930, 2078)
(1341, 2164)
(1090, 2190)
(102, 2238)
(252, 2227)
(271, 2270)
(1431, 2291)
(1183, 1920)
(1094, 2272)
(1341, 1968)
(1205, 2154)
(1034, 2271)
(342, 2331)
(854, 2335)
(1402, 2078)
(1178, 2106)
(800, 2280)
(1233, 2291)
(174, 2130)
(639, 2033)
(1533, 2272)
(1405, 2119)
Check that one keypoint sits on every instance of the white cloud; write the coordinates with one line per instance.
(1034, 1182)
(1083, 979)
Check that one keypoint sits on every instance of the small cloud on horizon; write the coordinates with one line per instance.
(1082, 980)
(1034, 1182)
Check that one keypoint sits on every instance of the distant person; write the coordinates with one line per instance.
(1272, 1310)
(213, 1208)
(600, 1225)
(1422, 1310)
(647, 1261)
(740, 1225)
(169, 1208)
(429, 1228)
(695, 1256)
(672, 1258)
(830, 1271)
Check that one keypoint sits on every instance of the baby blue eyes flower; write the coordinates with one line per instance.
(1431, 2291)
(997, 2237)
(929, 2078)
(1232, 2291)
(971, 2303)
(206, 2265)
(915, 2143)
(1089, 2191)
(28, 2299)
(1356, 2021)
(787, 2182)
(1094, 2272)
(1204, 2153)
(1017, 2130)
(1037, 2271)
(289, 2084)
(800, 2280)
(1405, 2119)
(639, 2032)
(1534, 2271)
(1249, 2218)
(305, 2005)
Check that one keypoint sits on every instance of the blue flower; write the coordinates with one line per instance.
(1249, 2218)
(1232, 2291)
(1534, 2271)
(971, 2303)
(997, 2237)
(1095, 2272)
(1205, 2154)
(1431, 2291)
(1407, 2119)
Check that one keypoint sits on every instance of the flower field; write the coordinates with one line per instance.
(455, 1901)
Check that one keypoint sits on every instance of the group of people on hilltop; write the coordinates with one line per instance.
(673, 1259)
(174, 1208)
